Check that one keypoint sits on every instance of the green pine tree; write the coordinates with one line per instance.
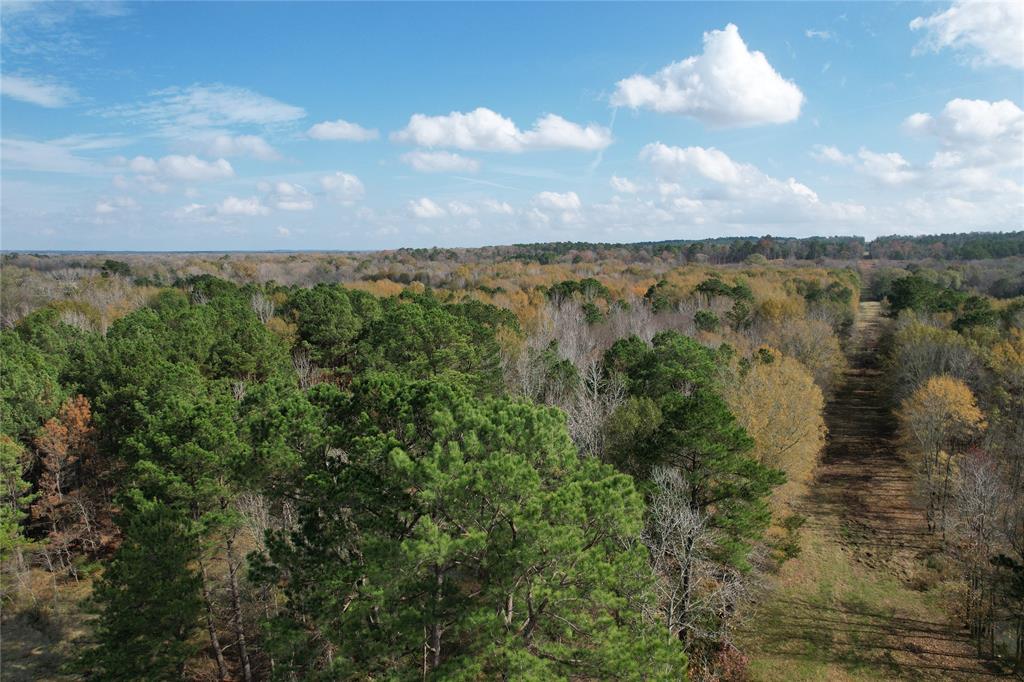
(148, 598)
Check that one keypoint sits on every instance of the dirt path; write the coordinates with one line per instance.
(863, 489)
(853, 605)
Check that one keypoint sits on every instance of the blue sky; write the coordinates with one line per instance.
(164, 126)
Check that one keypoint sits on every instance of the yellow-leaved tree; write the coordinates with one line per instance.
(777, 401)
(938, 421)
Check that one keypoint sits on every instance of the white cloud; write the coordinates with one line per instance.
(461, 208)
(61, 155)
(192, 211)
(973, 134)
(831, 154)
(343, 187)
(189, 168)
(342, 130)
(705, 186)
(283, 231)
(889, 168)
(568, 206)
(568, 201)
(972, 121)
(820, 34)
(486, 130)
(727, 85)
(623, 185)
(42, 93)
(106, 206)
(495, 206)
(251, 206)
(426, 208)
(708, 162)
(52, 156)
(440, 162)
(242, 145)
(287, 196)
(144, 165)
(988, 30)
(669, 188)
(980, 155)
(180, 112)
(554, 132)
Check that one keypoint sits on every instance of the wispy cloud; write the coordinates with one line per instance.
(53, 31)
(51, 156)
(820, 34)
(37, 91)
(182, 112)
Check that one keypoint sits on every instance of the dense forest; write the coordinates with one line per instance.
(561, 461)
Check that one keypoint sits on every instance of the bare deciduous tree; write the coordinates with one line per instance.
(263, 306)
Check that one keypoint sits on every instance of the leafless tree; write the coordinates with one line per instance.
(309, 374)
(263, 306)
(636, 319)
(590, 406)
(979, 501)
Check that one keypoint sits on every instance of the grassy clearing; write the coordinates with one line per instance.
(830, 618)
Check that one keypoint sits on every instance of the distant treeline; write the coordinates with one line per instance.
(717, 251)
(966, 246)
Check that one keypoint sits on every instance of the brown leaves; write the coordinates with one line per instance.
(73, 491)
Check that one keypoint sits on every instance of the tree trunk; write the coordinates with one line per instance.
(945, 493)
(236, 607)
(435, 627)
(211, 625)
(684, 632)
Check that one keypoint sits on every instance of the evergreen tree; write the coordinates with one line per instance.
(677, 421)
(463, 539)
(148, 597)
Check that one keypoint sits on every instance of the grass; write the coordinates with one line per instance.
(830, 618)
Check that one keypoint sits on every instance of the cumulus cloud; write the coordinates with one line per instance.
(486, 130)
(106, 206)
(623, 185)
(461, 208)
(39, 92)
(342, 130)
(426, 208)
(986, 32)
(976, 124)
(888, 168)
(343, 187)
(440, 162)
(721, 189)
(708, 162)
(287, 196)
(497, 207)
(252, 146)
(831, 154)
(251, 206)
(568, 201)
(188, 168)
(726, 86)
(566, 205)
